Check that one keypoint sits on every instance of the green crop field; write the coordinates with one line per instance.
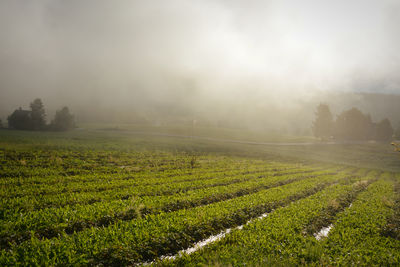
(118, 198)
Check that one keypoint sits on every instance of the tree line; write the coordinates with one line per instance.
(35, 119)
(351, 125)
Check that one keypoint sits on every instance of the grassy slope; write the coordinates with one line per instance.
(203, 131)
(374, 156)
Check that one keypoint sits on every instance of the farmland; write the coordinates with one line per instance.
(112, 198)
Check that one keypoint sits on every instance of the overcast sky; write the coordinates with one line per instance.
(109, 53)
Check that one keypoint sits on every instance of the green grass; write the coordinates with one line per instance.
(255, 135)
(374, 156)
(111, 197)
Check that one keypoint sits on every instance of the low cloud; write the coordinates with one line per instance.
(194, 57)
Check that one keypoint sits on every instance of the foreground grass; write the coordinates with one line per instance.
(91, 197)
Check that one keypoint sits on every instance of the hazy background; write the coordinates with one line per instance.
(258, 64)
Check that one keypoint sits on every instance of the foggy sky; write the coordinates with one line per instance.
(198, 56)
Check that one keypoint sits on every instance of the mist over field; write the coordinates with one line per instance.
(264, 64)
(199, 132)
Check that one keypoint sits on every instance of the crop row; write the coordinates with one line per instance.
(30, 203)
(67, 165)
(328, 216)
(133, 188)
(103, 184)
(54, 221)
(126, 172)
(392, 227)
(157, 234)
(356, 237)
(33, 164)
(280, 238)
(47, 157)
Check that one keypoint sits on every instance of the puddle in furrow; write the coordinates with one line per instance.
(322, 233)
(204, 242)
(325, 231)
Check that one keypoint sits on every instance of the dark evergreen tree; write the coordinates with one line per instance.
(397, 132)
(353, 125)
(20, 120)
(384, 131)
(322, 126)
(63, 120)
(38, 114)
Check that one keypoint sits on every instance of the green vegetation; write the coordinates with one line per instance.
(281, 238)
(35, 119)
(90, 197)
(323, 124)
(350, 125)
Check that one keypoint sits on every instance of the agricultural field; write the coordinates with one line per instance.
(112, 199)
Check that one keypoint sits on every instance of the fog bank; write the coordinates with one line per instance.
(222, 60)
